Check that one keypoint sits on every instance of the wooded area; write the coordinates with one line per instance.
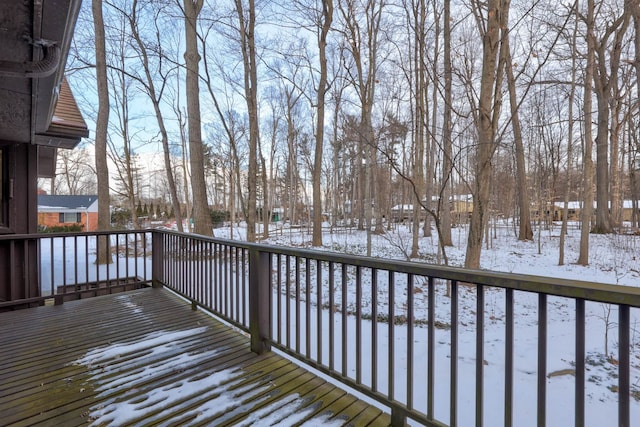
(339, 111)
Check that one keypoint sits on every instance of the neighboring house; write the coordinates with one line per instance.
(627, 210)
(68, 210)
(402, 212)
(575, 210)
(461, 207)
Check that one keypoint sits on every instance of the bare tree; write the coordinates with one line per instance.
(486, 122)
(417, 18)
(361, 32)
(155, 95)
(525, 233)
(202, 218)
(634, 145)
(74, 173)
(246, 14)
(102, 124)
(571, 100)
(587, 180)
(234, 129)
(605, 79)
(122, 94)
(324, 27)
(337, 179)
(447, 152)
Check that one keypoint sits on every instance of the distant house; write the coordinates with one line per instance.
(461, 207)
(627, 210)
(402, 212)
(575, 210)
(56, 210)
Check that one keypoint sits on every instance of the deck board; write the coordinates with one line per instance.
(145, 358)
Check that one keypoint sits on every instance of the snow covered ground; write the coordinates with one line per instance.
(615, 259)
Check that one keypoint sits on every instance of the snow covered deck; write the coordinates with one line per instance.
(145, 358)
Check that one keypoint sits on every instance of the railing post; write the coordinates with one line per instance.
(259, 305)
(398, 417)
(157, 259)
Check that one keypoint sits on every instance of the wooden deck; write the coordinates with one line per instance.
(145, 358)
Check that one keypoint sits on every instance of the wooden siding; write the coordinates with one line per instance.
(145, 358)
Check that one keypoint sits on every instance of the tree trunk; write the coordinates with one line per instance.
(248, 46)
(232, 204)
(368, 170)
(447, 161)
(102, 122)
(635, 160)
(614, 146)
(616, 104)
(339, 188)
(605, 83)
(525, 232)
(603, 217)
(186, 213)
(359, 189)
(419, 121)
(587, 183)
(572, 93)
(487, 113)
(126, 169)
(378, 190)
(327, 18)
(266, 206)
(201, 215)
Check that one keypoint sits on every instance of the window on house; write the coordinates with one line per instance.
(72, 217)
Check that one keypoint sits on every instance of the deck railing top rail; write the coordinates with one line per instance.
(569, 288)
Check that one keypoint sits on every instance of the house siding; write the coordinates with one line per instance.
(52, 219)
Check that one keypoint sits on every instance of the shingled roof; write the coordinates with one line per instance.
(67, 119)
(65, 201)
(67, 127)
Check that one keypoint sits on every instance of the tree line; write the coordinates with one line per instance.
(339, 110)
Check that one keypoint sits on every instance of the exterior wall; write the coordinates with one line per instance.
(19, 275)
(576, 213)
(52, 219)
(93, 221)
(627, 214)
(461, 206)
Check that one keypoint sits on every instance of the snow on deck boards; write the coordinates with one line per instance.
(145, 358)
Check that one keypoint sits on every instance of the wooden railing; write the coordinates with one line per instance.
(417, 337)
(63, 265)
(436, 345)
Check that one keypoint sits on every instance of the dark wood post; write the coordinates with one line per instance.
(157, 259)
(259, 305)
